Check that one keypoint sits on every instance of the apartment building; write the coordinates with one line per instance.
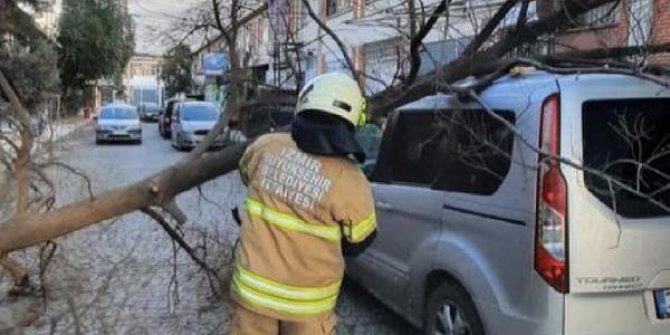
(141, 65)
(286, 41)
(629, 23)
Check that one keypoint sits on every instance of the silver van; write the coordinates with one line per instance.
(482, 233)
(191, 122)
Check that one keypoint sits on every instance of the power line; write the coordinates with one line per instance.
(142, 7)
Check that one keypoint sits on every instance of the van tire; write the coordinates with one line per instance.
(450, 298)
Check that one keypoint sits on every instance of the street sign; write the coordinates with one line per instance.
(214, 64)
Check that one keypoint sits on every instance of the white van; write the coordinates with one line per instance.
(480, 234)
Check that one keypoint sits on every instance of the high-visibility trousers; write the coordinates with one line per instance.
(246, 322)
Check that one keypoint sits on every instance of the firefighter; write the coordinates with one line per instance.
(307, 200)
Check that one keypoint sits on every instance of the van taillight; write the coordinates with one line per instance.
(551, 261)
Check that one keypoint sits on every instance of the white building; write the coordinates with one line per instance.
(373, 31)
(47, 18)
(285, 40)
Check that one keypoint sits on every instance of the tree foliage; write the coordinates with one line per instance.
(30, 60)
(177, 70)
(16, 22)
(33, 71)
(96, 38)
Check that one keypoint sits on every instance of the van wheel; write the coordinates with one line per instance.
(450, 311)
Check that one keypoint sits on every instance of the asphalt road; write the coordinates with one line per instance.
(123, 276)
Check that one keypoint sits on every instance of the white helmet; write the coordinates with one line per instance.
(334, 93)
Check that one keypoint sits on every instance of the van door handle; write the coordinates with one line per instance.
(385, 206)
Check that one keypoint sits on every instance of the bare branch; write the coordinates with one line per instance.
(490, 27)
(523, 14)
(219, 24)
(417, 40)
(87, 180)
(176, 237)
(466, 65)
(254, 14)
(23, 154)
(333, 35)
(21, 232)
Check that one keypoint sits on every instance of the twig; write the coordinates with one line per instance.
(74, 171)
(333, 35)
(472, 94)
(183, 244)
(523, 14)
(490, 27)
(417, 40)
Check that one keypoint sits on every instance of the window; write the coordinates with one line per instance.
(465, 151)
(370, 138)
(604, 15)
(640, 20)
(628, 141)
(198, 112)
(385, 61)
(120, 113)
(415, 148)
(334, 7)
(303, 16)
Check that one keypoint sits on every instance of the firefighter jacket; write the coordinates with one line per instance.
(298, 208)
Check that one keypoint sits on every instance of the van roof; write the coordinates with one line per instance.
(118, 104)
(532, 78)
(197, 103)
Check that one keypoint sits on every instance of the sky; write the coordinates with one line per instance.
(153, 18)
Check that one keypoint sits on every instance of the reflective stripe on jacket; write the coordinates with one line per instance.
(299, 206)
(296, 300)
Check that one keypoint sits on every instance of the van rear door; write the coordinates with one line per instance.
(618, 227)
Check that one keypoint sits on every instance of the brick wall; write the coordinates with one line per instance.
(617, 35)
(661, 29)
(603, 36)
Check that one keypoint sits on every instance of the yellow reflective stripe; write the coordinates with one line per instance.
(361, 230)
(280, 290)
(255, 208)
(253, 297)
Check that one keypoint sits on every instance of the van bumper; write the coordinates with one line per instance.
(620, 313)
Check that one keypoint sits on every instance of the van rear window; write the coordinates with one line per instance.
(629, 140)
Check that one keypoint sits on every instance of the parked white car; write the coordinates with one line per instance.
(118, 122)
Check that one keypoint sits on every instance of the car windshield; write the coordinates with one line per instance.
(151, 108)
(118, 113)
(199, 113)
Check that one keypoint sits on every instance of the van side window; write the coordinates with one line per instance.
(478, 150)
(416, 144)
(627, 140)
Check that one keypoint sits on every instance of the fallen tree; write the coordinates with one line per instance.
(25, 229)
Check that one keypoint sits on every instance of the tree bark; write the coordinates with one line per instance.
(384, 102)
(29, 230)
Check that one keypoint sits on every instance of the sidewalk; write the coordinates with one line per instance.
(62, 129)
(50, 134)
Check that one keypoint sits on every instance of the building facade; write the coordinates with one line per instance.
(143, 65)
(630, 23)
(374, 33)
(285, 47)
